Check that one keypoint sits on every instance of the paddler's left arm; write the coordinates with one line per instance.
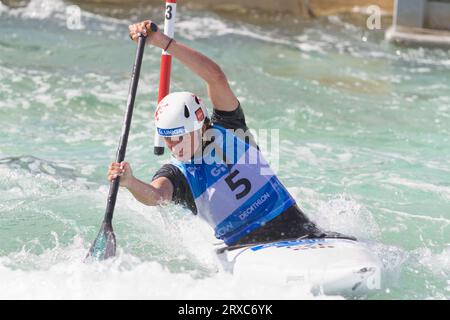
(219, 91)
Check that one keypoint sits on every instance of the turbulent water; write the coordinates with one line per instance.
(364, 149)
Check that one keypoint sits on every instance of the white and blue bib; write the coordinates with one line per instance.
(238, 196)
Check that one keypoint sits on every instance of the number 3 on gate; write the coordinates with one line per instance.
(169, 12)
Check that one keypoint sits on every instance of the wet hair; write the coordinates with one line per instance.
(207, 123)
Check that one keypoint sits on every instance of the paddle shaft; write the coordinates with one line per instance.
(120, 155)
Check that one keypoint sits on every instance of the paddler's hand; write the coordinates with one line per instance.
(122, 170)
(144, 28)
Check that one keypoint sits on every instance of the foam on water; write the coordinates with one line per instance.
(51, 265)
(59, 273)
(443, 191)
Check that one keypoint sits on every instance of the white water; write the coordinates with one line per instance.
(364, 144)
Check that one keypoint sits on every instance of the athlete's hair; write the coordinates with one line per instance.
(207, 123)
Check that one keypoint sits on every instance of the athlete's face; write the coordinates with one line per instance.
(184, 147)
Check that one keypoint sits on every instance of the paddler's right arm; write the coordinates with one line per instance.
(157, 192)
(219, 90)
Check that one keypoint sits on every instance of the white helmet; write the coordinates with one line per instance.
(179, 113)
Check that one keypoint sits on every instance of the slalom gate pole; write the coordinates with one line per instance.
(166, 63)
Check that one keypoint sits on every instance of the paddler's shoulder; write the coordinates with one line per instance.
(230, 119)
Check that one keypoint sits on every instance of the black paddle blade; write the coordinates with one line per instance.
(104, 246)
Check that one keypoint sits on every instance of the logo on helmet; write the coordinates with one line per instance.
(199, 114)
(159, 110)
(171, 131)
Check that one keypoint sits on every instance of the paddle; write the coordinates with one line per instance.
(104, 245)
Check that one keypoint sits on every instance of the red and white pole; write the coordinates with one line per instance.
(166, 62)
